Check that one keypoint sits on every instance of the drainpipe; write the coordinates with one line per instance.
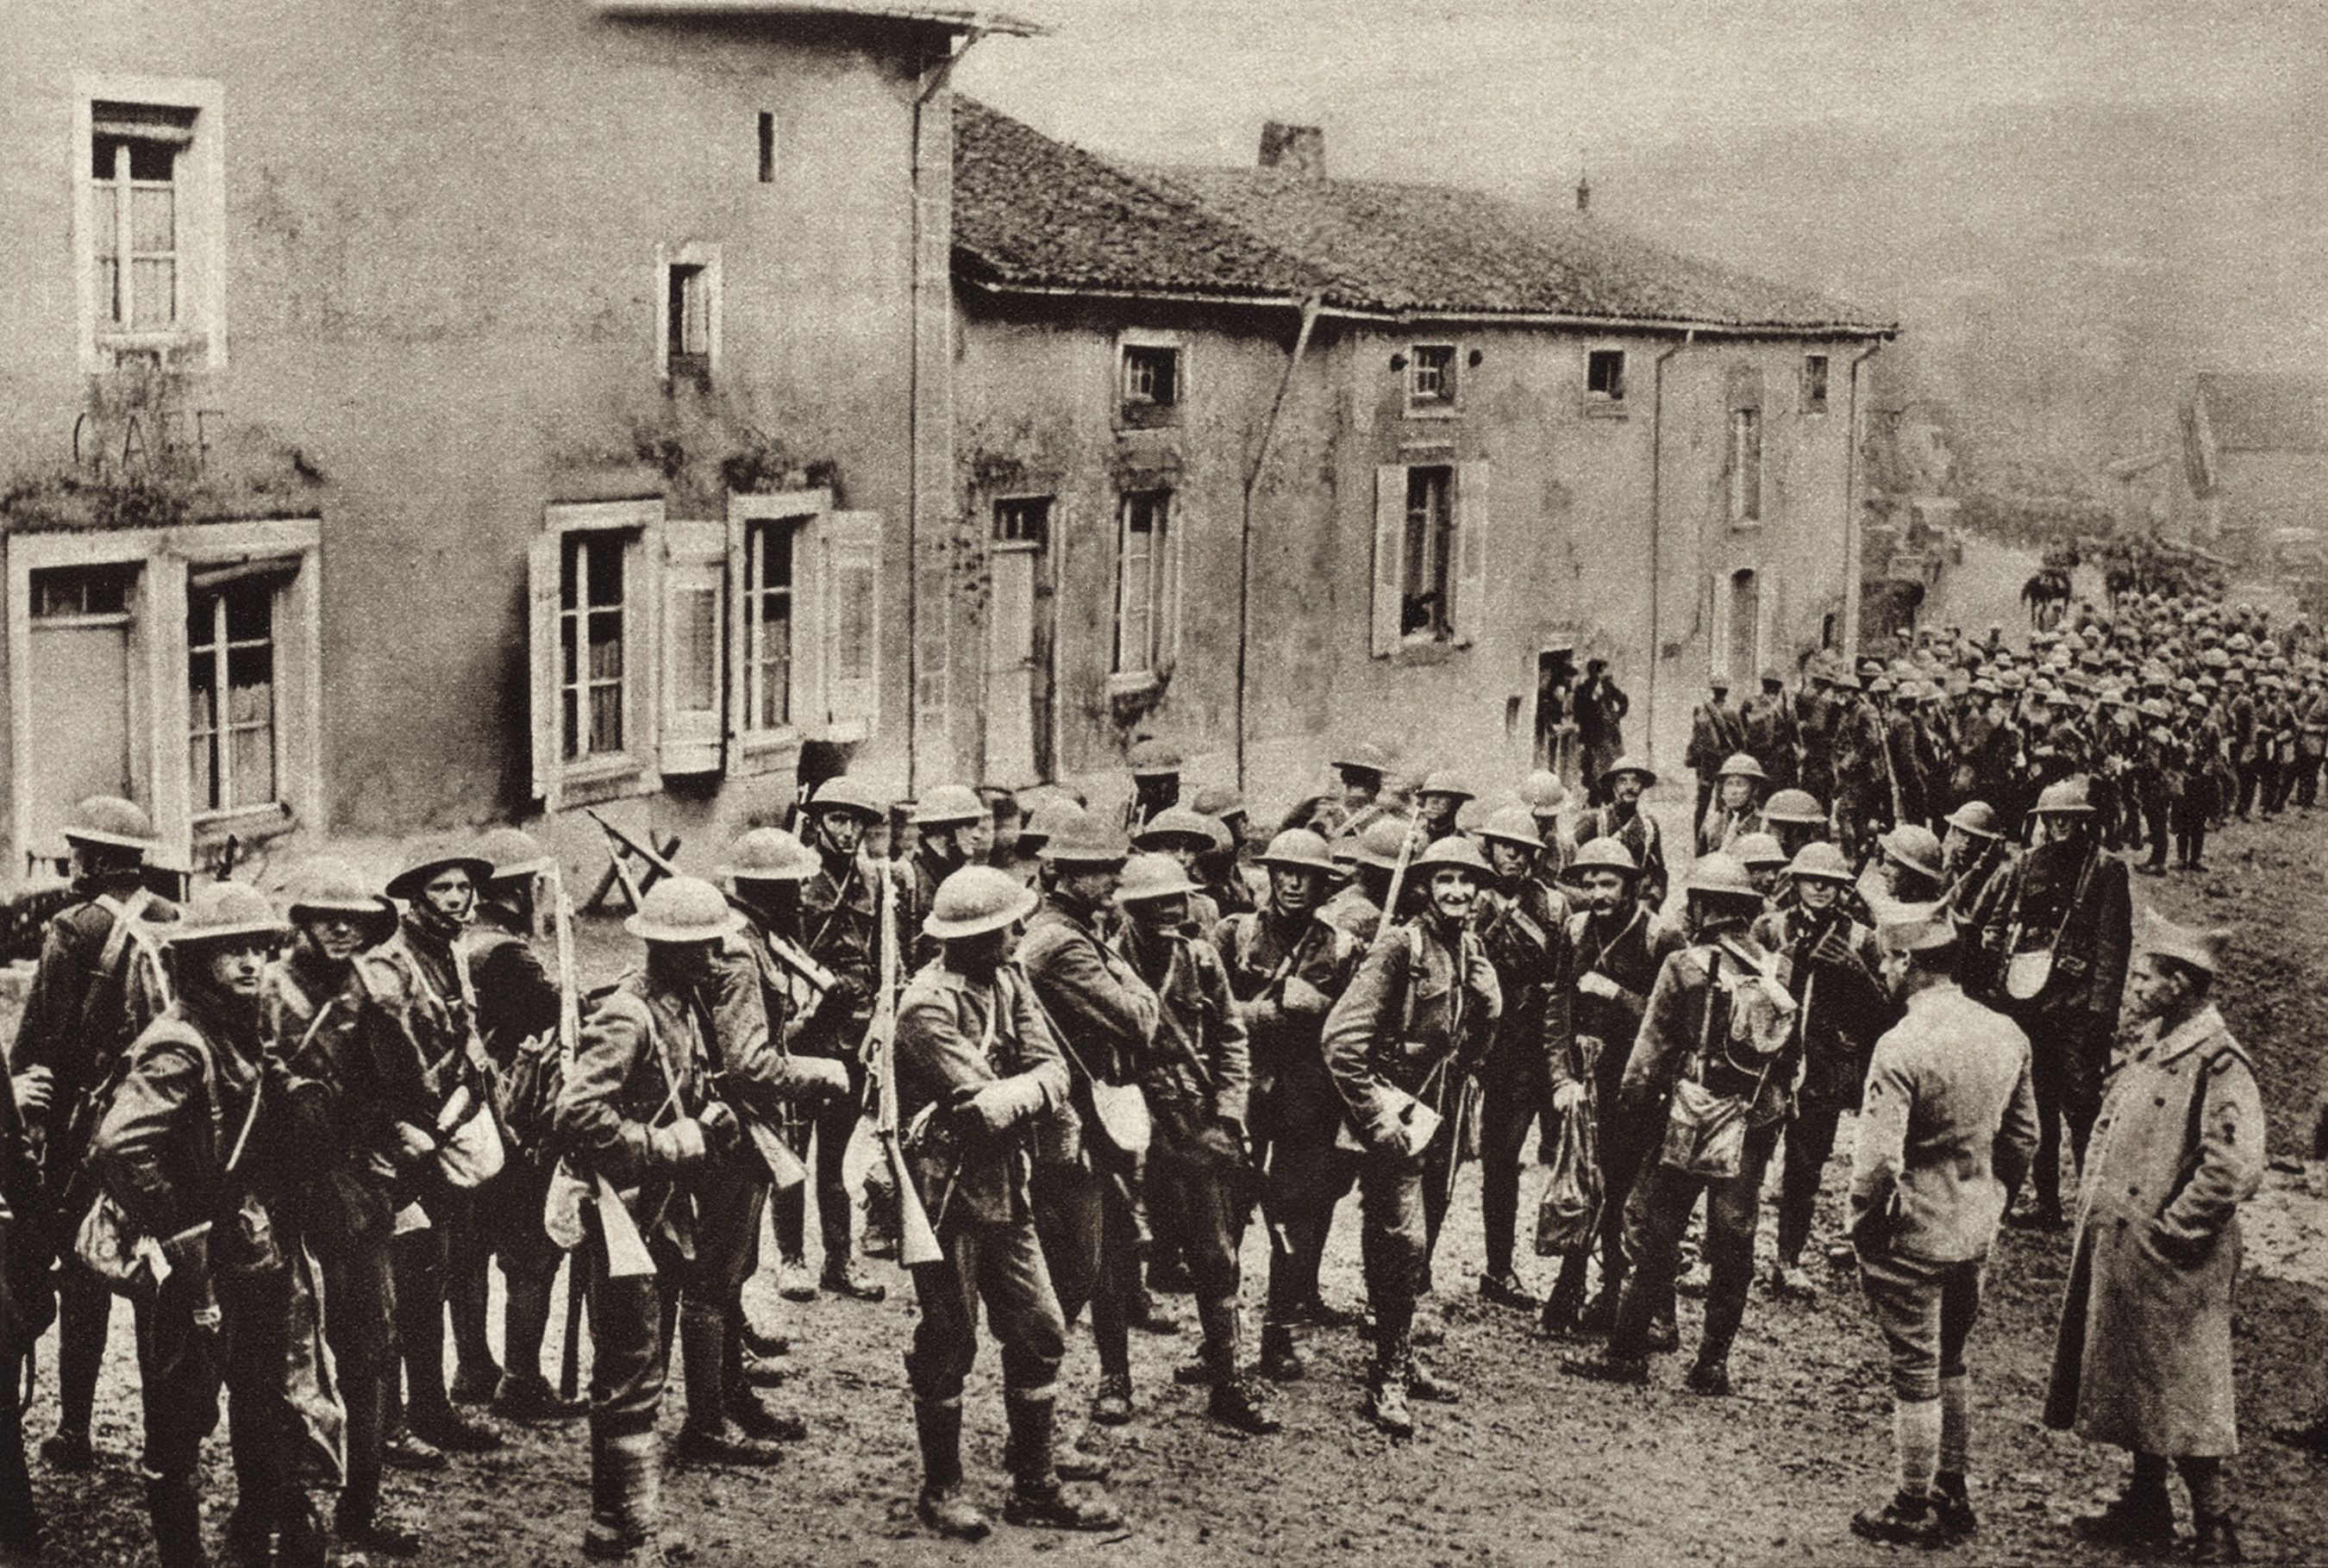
(917, 501)
(1656, 524)
(1851, 519)
(1309, 308)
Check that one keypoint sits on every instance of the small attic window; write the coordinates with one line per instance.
(1150, 382)
(1815, 377)
(1604, 375)
(1431, 376)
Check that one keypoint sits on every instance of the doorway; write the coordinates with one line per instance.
(1019, 627)
(80, 688)
(1555, 720)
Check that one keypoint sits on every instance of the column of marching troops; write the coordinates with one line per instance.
(1090, 1049)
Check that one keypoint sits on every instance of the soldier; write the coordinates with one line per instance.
(951, 829)
(1623, 820)
(1417, 1016)
(1545, 797)
(1286, 965)
(24, 1313)
(340, 1019)
(2245, 746)
(1196, 1073)
(97, 986)
(1734, 810)
(1714, 1032)
(1945, 1137)
(2055, 928)
(1771, 737)
(1360, 770)
(1155, 783)
(1911, 864)
(1616, 949)
(1766, 864)
(1829, 964)
(1438, 802)
(1795, 818)
(1186, 838)
(1104, 1014)
(2144, 1360)
(1524, 926)
(438, 887)
(649, 1109)
(1716, 733)
(1863, 781)
(977, 1063)
(197, 1150)
(2311, 741)
(1600, 706)
(1971, 853)
(2159, 774)
(1817, 708)
(518, 1006)
(1228, 875)
(1358, 907)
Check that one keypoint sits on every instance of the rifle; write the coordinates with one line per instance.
(787, 952)
(1398, 871)
(569, 1040)
(918, 1241)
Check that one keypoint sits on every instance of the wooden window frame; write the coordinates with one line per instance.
(1607, 405)
(1159, 613)
(753, 747)
(1465, 611)
(199, 328)
(221, 647)
(1815, 404)
(1448, 400)
(704, 259)
(1745, 479)
(634, 770)
(1145, 414)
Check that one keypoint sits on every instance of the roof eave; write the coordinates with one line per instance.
(954, 18)
(1157, 293)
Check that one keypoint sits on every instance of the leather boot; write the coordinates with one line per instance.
(1234, 1400)
(2216, 1541)
(1037, 1497)
(626, 1495)
(1386, 1384)
(709, 1437)
(937, 1425)
(1282, 1361)
(176, 1511)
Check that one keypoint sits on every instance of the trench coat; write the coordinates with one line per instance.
(2144, 1356)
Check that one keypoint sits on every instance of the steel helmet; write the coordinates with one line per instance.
(1220, 801)
(1820, 860)
(1151, 877)
(514, 853)
(1153, 759)
(110, 820)
(1978, 818)
(1083, 840)
(1914, 845)
(221, 912)
(1298, 849)
(1757, 849)
(1544, 794)
(434, 854)
(1365, 757)
(1632, 765)
(843, 794)
(1453, 853)
(2065, 799)
(1512, 825)
(1180, 822)
(1720, 876)
(328, 884)
(1380, 843)
(1049, 818)
(1444, 782)
(975, 900)
(769, 854)
(1800, 807)
(1605, 855)
(948, 806)
(1741, 764)
(682, 910)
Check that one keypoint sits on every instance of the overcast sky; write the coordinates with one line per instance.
(1511, 91)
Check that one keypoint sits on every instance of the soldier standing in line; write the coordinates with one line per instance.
(2056, 931)
(952, 830)
(1600, 707)
(1817, 708)
(1768, 719)
(2246, 751)
(1417, 1016)
(1830, 965)
(1081, 1186)
(1617, 948)
(1155, 783)
(2144, 1360)
(1712, 1031)
(96, 988)
(340, 1020)
(1945, 1137)
(1187, 838)
(1623, 820)
(441, 1260)
(1970, 852)
(1360, 770)
(1195, 1072)
(1228, 876)
(1735, 809)
(1524, 926)
(1795, 818)
(518, 1006)
(977, 1063)
(1286, 964)
(1545, 798)
(23, 1314)
(1358, 907)
(2311, 741)
(2158, 776)
(198, 1150)
(1717, 732)
(1438, 802)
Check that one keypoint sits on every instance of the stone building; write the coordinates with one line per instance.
(2255, 468)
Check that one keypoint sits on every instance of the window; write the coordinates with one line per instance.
(82, 593)
(688, 327)
(1741, 639)
(231, 695)
(1431, 376)
(1814, 368)
(148, 213)
(767, 148)
(767, 624)
(1023, 520)
(1427, 559)
(1152, 381)
(1745, 465)
(1151, 375)
(590, 654)
(1604, 376)
(1145, 585)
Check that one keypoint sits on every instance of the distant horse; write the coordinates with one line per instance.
(2047, 595)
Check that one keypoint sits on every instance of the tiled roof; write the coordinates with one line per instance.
(1030, 210)
(2250, 411)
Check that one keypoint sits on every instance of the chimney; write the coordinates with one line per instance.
(1583, 192)
(1299, 150)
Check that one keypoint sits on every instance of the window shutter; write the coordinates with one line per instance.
(694, 646)
(850, 560)
(737, 543)
(1472, 509)
(541, 570)
(162, 615)
(1390, 538)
